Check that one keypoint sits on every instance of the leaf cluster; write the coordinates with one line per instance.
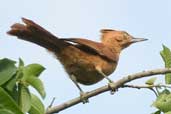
(15, 95)
(163, 100)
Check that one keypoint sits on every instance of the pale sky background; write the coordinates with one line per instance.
(84, 18)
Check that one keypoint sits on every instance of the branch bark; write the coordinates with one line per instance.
(118, 84)
(145, 86)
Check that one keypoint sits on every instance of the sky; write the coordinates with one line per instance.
(84, 18)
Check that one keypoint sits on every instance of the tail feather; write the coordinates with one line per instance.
(32, 32)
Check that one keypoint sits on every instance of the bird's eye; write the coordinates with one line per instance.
(126, 34)
(119, 39)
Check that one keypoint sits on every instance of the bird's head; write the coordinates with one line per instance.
(118, 38)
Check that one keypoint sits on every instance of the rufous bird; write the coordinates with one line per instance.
(87, 62)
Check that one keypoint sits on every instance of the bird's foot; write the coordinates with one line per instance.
(83, 97)
(112, 86)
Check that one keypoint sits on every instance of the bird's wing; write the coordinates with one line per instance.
(99, 48)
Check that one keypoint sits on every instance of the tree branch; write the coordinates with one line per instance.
(117, 84)
(51, 103)
(145, 86)
(150, 87)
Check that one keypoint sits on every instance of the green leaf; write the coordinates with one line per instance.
(168, 112)
(37, 106)
(165, 91)
(166, 55)
(157, 112)
(168, 78)
(163, 102)
(6, 102)
(20, 73)
(37, 84)
(7, 70)
(24, 98)
(151, 81)
(33, 70)
(11, 84)
(4, 111)
(11, 88)
(21, 63)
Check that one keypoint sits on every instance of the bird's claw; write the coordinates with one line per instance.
(83, 97)
(112, 86)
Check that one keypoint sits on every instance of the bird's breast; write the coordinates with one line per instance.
(83, 65)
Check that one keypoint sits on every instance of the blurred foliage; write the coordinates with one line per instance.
(163, 100)
(16, 97)
(166, 55)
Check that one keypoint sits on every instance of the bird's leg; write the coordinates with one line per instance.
(82, 93)
(111, 84)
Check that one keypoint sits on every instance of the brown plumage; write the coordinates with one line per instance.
(85, 59)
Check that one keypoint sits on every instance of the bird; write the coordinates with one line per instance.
(86, 62)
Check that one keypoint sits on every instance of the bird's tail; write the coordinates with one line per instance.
(32, 32)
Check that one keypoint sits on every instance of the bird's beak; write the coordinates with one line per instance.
(133, 40)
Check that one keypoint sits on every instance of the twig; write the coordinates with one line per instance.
(145, 86)
(150, 87)
(103, 89)
(156, 93)
(51, 103)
